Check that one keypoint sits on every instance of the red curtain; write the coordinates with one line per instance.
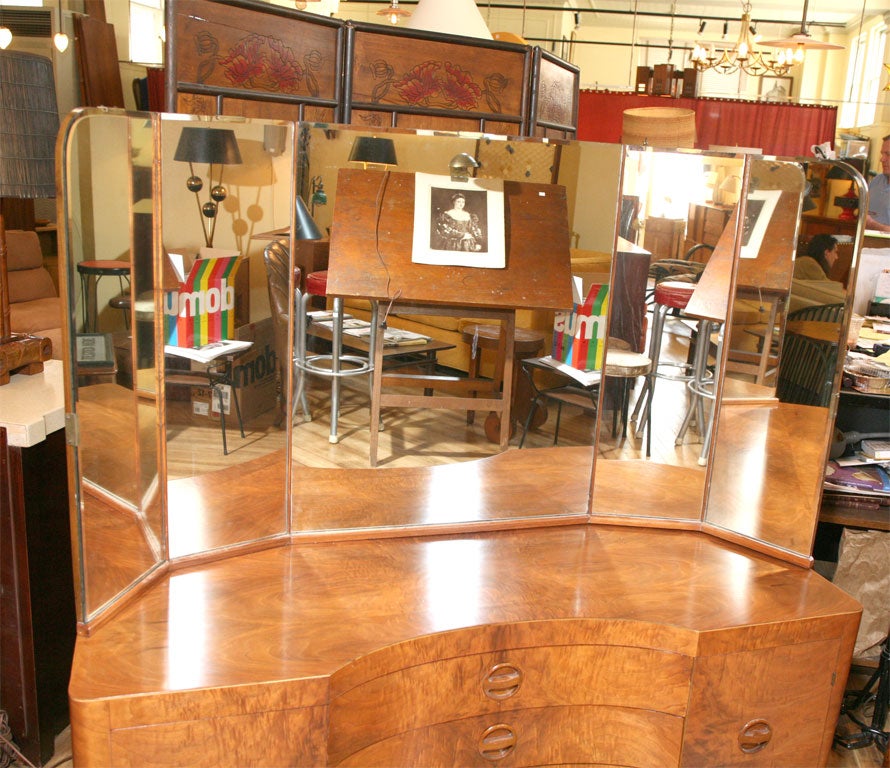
(789, 130)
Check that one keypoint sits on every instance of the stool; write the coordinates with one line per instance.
(627, 365)
(330, 365)
(526, 343)
(668, 295)
(91, 272)
(702, 386)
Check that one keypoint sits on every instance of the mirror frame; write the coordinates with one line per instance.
(329, 491)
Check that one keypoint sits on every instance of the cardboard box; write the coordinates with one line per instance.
(255, 370)
(253, 374)
(579, 335)
(200, 308)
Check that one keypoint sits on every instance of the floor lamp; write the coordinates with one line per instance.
(29, 124)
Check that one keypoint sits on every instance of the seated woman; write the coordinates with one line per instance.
(457, 228)
(818, 259)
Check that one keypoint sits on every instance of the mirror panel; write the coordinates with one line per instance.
(644, 440)
(106, 207)
(769, 461)
(223, 487)
(422, 448)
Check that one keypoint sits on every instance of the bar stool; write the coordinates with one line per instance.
(330, 365)
(702, 386)
(668, 295)
(627, 365)
(91, 272)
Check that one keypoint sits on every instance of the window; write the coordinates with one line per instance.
(863, 77)
(147, 31)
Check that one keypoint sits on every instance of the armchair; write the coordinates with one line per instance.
(35, 307)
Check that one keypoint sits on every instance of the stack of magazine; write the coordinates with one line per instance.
(865, 471)
(392, 337)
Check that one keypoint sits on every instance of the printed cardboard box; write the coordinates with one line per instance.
(201, 308)
(579, 335)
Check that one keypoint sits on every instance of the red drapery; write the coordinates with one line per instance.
(784, 129)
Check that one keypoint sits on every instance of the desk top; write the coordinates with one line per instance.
(32, 407)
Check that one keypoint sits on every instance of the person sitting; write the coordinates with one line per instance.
(818, 259)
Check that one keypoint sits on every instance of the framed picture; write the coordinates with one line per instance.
(458, 223)
(776, 88)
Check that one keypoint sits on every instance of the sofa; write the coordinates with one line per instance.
(449, 329)
(35, 306)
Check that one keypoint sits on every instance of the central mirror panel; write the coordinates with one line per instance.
(436, 466)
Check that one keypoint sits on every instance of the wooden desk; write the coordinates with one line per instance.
(37, 615)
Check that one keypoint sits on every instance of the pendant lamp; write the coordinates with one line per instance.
(455, 17)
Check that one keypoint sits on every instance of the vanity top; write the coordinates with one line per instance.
(32, 407)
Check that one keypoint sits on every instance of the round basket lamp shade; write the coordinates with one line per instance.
(659, 127)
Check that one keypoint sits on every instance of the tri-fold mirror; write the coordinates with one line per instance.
(176, 458)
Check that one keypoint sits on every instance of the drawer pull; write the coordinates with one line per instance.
(502, 682)
(497, 742)
(755, 736)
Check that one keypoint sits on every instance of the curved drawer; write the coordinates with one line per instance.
(504, 681)
(549, 736)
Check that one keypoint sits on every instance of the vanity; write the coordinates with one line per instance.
(562, 605)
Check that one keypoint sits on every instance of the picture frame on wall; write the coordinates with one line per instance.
(776, 88)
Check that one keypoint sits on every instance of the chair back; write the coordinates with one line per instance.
(28, 279)
(806, 370)
(827, 313)
(276, 257)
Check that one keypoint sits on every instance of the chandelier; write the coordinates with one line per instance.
(744, 56)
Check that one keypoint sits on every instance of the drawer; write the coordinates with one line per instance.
(550, 736)
(493, 683)
(765, 707)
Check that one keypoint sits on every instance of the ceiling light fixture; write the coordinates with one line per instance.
(5, 38)
(394, 12)
(793, 48)
(744, 55)
(60, 39)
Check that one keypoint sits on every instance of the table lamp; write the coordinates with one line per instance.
(29, 125)
(214, 146)
(372, 150)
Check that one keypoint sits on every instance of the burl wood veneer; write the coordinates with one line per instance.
(565, 645)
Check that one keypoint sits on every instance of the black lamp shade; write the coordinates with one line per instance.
(371, 149)
(29, 125)
(306, 228)
(198, 144)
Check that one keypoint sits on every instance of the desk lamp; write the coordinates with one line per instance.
(371, 150)
(29, 124)
(214, 146)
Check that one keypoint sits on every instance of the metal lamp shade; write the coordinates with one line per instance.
(371, 149)
(208, 145)
(306, 228)
(29, 125)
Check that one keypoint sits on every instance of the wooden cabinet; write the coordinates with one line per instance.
(705, 224)
(584, 645)
(664, 237)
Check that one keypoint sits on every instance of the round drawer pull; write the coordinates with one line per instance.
(755, 736)
(496, 742)
(502, 682)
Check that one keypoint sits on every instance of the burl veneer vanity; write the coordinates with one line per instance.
(535, 607)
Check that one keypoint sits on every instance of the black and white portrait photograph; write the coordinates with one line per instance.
(458, 223)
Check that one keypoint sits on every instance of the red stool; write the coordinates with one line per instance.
(330, 365)
(669, 294)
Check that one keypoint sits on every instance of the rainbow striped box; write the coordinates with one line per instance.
(579, 336)
(202, 309)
